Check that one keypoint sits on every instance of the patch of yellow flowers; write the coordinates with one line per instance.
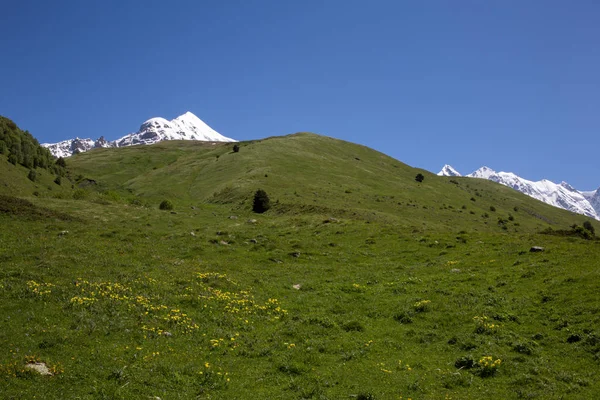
(39, 289)
(483, 326)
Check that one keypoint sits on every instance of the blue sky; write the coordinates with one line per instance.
(514, 85)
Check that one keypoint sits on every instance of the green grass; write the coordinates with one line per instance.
(349, 296)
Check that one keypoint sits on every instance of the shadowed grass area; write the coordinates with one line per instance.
(14, 206)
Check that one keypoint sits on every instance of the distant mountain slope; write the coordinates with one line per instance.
(560, 195)
(154, 130)
(308, 173)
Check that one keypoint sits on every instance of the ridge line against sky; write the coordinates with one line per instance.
(510, 85)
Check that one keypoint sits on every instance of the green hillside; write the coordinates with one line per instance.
(27, 168)
(358, 283)
(308, 173)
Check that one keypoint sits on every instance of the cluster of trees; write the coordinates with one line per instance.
(21, 148)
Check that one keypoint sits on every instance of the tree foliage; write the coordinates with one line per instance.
(20, 147)
(588, 225)
(419, 177)
(166, 205)
(261, 202)
(236, 148)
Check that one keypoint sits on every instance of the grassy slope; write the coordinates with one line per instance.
(352, 329)
(307, 172)
(13, 181)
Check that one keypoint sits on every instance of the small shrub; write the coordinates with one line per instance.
(32, 176)
(166, 205)
(588, 225)
(420, 177)
(261, 202)
(492, 209)
(465, 362)
(236, 148)
(487, 366)
(58, 180)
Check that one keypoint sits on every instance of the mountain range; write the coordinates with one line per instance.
(184, 127)
(560, 195)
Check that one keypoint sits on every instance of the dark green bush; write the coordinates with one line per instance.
(420, 177)
(166, 205)
(588, 225)
(261, 202)
(32, 175)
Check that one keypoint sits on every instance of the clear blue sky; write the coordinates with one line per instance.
(511, 84)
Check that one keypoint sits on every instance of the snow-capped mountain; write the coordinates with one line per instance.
(560, 195)
(69, 147)
(184, 127)
(449, 171)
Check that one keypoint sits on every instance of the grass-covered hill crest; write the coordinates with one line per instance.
(307, 172)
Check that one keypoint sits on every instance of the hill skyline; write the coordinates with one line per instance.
(469, 85)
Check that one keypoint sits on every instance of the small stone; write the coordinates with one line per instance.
(39, 367)
(63, 233)
(297, 286)
(167, 334)
(295, 254)
(223, 243)
(536, 249)
(233, 217)
(252, 221)
(192, 233)
(253, 241)
(455, 270)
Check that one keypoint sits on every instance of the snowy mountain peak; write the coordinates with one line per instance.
(483, 172)
(448, 171)
(560, 195)
(185, 127)
(567, 186)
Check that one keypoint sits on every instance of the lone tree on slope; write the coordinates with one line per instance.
(419, 177)
(261, 202)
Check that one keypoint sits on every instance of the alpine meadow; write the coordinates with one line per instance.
(293, 267)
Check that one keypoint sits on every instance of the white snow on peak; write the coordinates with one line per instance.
(560, 195)
(448, 171)
(483, 172)
(184, 127)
